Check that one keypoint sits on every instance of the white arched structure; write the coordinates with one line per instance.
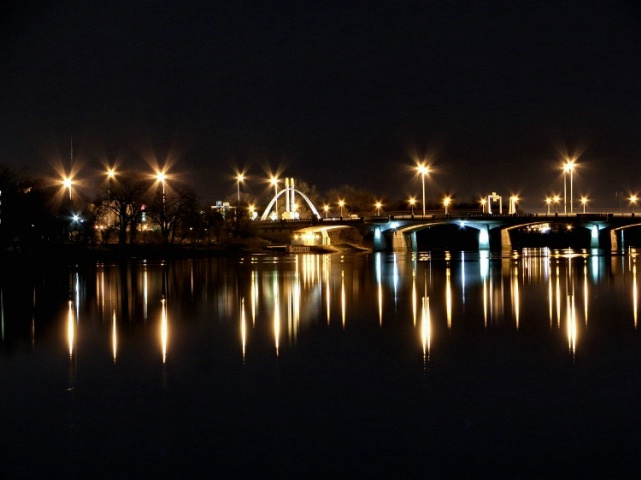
(286, 192)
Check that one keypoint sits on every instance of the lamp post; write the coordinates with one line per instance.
(378, 206)
(548, 202)
(446, 203)
(568, 167)
(483, 204)
(556, 201)
(161, 177)
(423, 170)
(67, 183)
(412, 203)
(326, 209)
(633, 202)
(239, 178)
(341, 203)
(274, 181)
(584, 202)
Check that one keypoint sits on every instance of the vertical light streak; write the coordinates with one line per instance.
(343, 298)
(635, 295)
(484, 268)
(164, 329)
(426, 328)
(551, 301)
(572, 328)
(448, 296)
(558, 298)
(276, 316)
(463, 276)
(144, 293)
(243, 328)
(414, 295)
(254, 296)
(379, 289)
(585, 292)
(326, 273)
(114, 336)
(396, 276)
(71, 328)
(516, 301)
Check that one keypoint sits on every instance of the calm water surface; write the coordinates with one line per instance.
(364, 366)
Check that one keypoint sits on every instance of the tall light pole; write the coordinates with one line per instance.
(412, 202)
(548, 201)
(67, 183)
(483, 204)
(446, 203)
(239, 178)
(633, 201)
(161, 177)
(423, 170)
(341, 203)
(326, 209)
(274, 181)
(584, 202)
(378, 206)
(556, 201)
(568, 167)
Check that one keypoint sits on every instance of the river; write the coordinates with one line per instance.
(435, 365)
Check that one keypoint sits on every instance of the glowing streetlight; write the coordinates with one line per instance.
(252, 212)
(568, 167)
(633, 201)
(67, 183)
(274, 181)
(483, 204)
(111, 174)
(341, 203)
(548, 202)
(412, 201)
(326, 209)
(556, 199)
(162, 177)
(446, 203)
(584, 202)
(423, 170)
(514, 199)
(378, 206)
(239, 179)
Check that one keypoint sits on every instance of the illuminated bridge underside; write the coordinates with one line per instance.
(400, 234)
(316, 235)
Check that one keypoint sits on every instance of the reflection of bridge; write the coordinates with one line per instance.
(398, 232)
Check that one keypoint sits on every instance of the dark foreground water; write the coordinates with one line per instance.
(365, 366)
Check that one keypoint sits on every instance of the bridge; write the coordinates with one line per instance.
(398, 232)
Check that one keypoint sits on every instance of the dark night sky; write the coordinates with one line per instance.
(332, 92)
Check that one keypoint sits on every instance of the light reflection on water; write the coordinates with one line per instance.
(437, 353)
(294, 293)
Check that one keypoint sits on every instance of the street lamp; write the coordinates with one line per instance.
(412, 203)
(446, 203)
(161, 177)
(274, 181)
(548, 202)
(67, 183)
(584, 202)
(633, 201)
(341, 203)
(111, 174)
(483, 204)
(556, 199)
(568, 167)
(423, 170)
(378, 206)
(240, 177)
(326, 209)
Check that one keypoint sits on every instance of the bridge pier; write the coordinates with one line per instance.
(380, 243)
(484, 237)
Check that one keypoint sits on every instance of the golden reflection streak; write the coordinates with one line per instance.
(243, 327)
(343, 298)
(572, 329)
(414, 295)
(254, 296)
(114, 336)
(426, 327)
(585, 292)
(71, 328)
(379, 289)
(551, 300)
(448, 296)
(326, 272)
(164, 329)
(635, 295)
(484, 268)
(276, 316)
(144, 293)
(558, 298)
(516, 302)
